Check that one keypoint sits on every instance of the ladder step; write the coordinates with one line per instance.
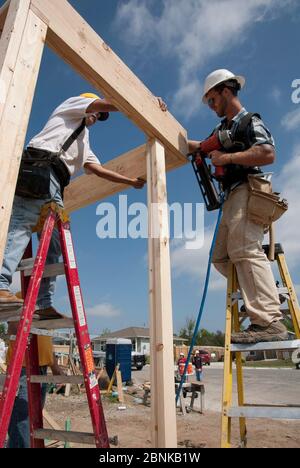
(10, 314)
(57, 379)
(50, 270)
(55, 324)
(278, 412)
(265, 346)
(69, 436)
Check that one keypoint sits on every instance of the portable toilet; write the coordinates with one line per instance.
(118, 351)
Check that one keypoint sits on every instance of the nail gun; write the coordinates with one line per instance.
(221, 140)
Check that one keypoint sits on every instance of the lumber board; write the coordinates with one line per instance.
(88, 189)
(65, 436)
(51, 421)
(57, 379)
(120, 386)
(17, 107)
(78, 44)
(163, 421)
(13, 16)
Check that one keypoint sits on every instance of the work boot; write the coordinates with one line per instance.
(7, 298)
(276, 331)
(48, 314)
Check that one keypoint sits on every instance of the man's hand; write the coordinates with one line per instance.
(162, 104)
(138, 183)
(218, 158)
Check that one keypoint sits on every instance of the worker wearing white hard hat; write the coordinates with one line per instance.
(222, 76)
(239, 239)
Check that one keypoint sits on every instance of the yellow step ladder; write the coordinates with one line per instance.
(233, 323)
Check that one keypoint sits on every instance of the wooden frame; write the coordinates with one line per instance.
(25, 26)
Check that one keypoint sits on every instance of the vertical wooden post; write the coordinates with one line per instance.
(13, 19)
(19, 84)
(163, 410)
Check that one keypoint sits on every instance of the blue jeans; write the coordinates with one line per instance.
(25, 214)
(198, 374)
(19, 429)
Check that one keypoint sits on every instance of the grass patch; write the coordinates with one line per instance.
(276, 363)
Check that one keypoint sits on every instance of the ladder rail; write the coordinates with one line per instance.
(292, 301)
(239, 364)
(243, 410)
(228, 378)
(35, 410)
(51, 214)
(83, 339)
(15, 366)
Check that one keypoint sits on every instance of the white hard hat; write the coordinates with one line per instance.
(197, 351)
(181, 354)
(217, 77)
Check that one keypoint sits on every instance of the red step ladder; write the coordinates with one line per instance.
(26, 344)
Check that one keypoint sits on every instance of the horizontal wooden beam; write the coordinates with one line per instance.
(88, 189)
(78, 44)
(57, 379)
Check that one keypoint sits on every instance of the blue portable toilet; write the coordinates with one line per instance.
(118, 351)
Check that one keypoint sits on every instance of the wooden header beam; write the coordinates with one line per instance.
(132, 164)
(78, 44)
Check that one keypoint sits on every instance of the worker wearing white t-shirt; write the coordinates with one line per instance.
(66, 136)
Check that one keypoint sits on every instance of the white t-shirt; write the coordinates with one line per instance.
(65, 119)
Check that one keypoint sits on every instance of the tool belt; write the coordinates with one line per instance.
(264, 206)
(35, 172)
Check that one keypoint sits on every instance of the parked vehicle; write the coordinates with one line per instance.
(137, 360)
(205, 356)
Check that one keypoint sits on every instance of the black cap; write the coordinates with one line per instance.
(103, 116)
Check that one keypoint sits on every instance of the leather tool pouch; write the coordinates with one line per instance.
(264, 206)
(34, 176)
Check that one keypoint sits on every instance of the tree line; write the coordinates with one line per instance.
(203, 337)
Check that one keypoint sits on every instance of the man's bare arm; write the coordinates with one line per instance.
(100, 171)
(259, 155)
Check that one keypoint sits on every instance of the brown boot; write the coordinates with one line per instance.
(7, 298)
(48, 314)
(276, 331)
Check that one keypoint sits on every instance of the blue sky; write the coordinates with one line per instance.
(171, 45)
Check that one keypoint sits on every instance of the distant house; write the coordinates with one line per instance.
(140, 338)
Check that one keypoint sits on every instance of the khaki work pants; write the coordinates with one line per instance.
(240, 240)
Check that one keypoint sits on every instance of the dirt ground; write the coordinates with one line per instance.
(195, 430)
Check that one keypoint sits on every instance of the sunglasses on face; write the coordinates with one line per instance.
(211, 101)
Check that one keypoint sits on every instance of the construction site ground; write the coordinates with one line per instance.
(195, 430)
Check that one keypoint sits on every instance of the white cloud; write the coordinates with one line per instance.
(275, 94)
(192, 32)
(193, 263)
(103, 310)
(291, 121)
